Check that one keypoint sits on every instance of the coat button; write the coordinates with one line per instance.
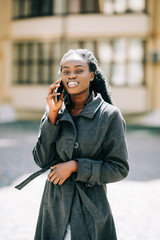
(90, 184)
(76, 145)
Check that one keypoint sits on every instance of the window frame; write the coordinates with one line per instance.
(20, 63)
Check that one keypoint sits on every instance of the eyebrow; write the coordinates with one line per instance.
(75, 66)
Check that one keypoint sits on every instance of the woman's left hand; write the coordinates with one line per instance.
(62, 171)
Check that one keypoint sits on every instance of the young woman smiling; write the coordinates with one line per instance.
(82, 140)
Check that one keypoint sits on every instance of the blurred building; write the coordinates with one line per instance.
(123, 34)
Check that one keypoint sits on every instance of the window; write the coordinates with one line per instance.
(89, 6)
(121, 60)
(36, 8)
(59, 7)
(22, 9)
(31, 8)
(122, 6)
(35, 62)
(90, 45)
(74, 6)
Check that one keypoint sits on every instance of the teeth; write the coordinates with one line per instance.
(72, 84)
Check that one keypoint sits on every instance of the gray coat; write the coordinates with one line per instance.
(96, 139)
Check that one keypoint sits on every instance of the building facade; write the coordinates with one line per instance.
(123, 34)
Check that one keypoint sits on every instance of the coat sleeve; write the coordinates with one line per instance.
(114, 165)
(44, 150)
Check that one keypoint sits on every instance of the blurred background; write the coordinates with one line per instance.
(34, 34)
(124, 35)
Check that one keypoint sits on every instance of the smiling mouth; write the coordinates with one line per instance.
(72, 84)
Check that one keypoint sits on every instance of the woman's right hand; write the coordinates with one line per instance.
(54, 106)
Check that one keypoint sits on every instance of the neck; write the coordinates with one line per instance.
(78, 101)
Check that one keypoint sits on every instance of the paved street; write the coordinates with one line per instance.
(135, 201)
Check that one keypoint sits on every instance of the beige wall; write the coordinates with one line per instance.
(5, 17)
(38, 28)
(30, 98)
(131, 100)
(107, 26)
(5, 51)
(73, 26)
(153, 46)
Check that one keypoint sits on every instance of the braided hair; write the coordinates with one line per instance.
(99, 83)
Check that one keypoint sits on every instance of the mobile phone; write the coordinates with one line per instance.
(59, 90)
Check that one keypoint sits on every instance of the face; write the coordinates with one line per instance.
(76, 76)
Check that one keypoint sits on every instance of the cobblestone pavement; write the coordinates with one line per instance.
(134, 201)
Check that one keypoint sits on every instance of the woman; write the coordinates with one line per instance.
(82, 138)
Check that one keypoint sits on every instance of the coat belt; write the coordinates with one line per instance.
(94, 211)
(33, 176)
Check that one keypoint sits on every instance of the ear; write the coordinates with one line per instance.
(91, 76)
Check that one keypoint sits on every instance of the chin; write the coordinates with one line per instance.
(72, 91)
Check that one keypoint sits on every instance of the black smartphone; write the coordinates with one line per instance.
(59, 90)
(61, 87)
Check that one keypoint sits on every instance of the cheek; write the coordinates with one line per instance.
(64, 83)
(86, 80)
(85, 83)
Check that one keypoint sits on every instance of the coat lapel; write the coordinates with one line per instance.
(68, 129)
(88, 111)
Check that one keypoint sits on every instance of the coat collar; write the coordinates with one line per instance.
(88, 111)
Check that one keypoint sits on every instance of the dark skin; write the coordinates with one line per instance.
(76, 78)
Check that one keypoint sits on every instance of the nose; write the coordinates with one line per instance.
(72, 75)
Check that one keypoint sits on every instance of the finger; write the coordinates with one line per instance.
(61, 96)
(56, 181)
(61, 181)
(52, 178)
(55, 83)
(51, 174)
(53, 94)
(52, 98)
(52, 88)
(54, 167)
